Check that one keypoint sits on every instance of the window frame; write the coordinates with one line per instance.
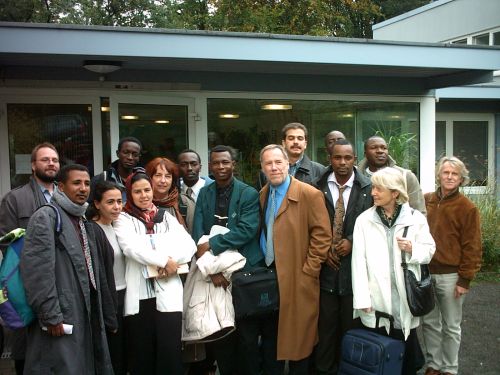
(449, 118)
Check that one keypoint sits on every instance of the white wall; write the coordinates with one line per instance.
(441, 21)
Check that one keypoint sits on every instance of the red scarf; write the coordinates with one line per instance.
(171, 200)
(145, 215)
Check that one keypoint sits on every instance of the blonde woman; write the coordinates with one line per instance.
(378, 244)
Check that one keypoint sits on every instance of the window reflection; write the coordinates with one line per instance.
(251, 127)
(67, 126)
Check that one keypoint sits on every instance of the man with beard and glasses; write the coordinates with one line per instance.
(16, 209)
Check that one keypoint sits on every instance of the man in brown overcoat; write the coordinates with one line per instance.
(301, 239)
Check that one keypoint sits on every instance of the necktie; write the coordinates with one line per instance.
(338, 220)
(189, 192)
(269, 235)
(86, 253)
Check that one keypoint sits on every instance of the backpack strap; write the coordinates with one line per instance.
(58, 225)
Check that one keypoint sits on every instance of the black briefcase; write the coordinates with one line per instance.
(255, 292)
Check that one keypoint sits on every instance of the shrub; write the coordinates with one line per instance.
(490, 230)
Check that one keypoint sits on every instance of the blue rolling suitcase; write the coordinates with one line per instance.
(365, 352)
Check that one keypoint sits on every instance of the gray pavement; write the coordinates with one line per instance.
(480, 347)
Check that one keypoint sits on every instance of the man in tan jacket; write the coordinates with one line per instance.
(295, 215)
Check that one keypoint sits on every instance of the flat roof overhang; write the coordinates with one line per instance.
(240, 61)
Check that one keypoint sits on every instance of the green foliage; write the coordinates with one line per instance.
(490, 230)
(403, 147)
(342, 18)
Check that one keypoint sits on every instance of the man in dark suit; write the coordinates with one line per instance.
(235, 205)
(335, 316)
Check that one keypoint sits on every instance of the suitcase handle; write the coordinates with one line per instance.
(381, 314)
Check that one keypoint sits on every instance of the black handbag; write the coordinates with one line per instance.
(255, 292)
(419, 293)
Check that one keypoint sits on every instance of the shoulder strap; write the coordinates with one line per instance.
(58, 224)
(403, 255)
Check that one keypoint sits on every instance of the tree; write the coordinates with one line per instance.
(342, 18)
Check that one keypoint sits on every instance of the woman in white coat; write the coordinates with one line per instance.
(153, 242)
(378, 245)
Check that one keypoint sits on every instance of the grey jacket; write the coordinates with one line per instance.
(18, 205)
(55, 277)
(415, 195)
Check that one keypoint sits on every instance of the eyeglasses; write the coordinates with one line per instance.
(48, 160)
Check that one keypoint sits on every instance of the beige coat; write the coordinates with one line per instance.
(302, 239)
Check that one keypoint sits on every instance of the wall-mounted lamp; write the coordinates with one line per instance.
(102, 66)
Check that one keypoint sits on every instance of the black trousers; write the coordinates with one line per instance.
(258, 342)
(154, 341)
(225, 353)
(335, 319)
(117, 341)
(258, 345)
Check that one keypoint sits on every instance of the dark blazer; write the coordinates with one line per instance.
(243, 221)
(339, 281)
(308, 172)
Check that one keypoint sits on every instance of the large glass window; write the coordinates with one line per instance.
(250, 124)
(440, 139)
(453, 137)
(473, 151)
(66, 126)
(496, 38)
(483, 39)
(162, 129)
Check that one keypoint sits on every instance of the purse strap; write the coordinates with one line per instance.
(403, 255)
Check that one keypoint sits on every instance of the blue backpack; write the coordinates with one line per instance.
(14, 308)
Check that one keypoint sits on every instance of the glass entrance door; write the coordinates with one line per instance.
(161, 124)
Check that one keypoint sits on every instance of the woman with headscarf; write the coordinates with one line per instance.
(154, 244)
(377, 276)
(164, 176)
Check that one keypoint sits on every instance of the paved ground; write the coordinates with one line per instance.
(480, 349)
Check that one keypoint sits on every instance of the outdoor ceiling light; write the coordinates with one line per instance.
(129, 117)
(101, 66)
(229, 115)
(162, 122)
(276, 107)
(346, 115)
